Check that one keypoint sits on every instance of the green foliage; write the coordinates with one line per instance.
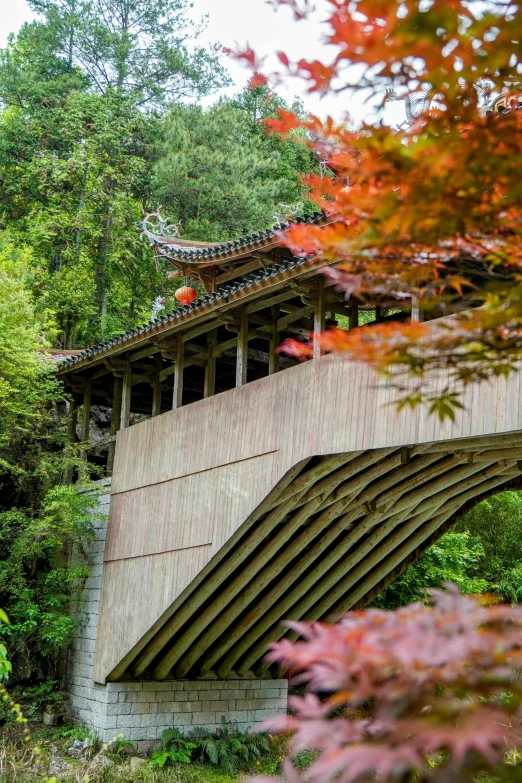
(219, 174)
(456, 558)
(43, 693)
(36, 580)
(228, 748)
(482, 554)
(5, 664)
(497, 524)
(176, 750)
(139, 48)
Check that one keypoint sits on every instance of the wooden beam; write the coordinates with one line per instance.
(239, 271)
(126, 397)
(242, 350)
(177, 397)
(203, 630)
(319, 318)
(210, 370)
(115, 421)
(273, 357)
(262, 304)
(245, 540)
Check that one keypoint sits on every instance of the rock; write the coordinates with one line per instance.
(58, 765)
(54, 714)
(136, 763)
(75, 753)
(101, 761)
(78, 744)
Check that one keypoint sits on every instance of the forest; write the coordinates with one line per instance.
(108, 112)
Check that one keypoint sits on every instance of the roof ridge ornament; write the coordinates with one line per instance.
(154, 224)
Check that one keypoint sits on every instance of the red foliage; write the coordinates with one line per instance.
(431, 210)
(421, 688)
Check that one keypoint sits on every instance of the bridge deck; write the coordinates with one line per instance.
(293, 497)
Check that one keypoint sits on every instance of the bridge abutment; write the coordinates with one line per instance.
(141, 711)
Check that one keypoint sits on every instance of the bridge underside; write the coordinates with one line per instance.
(322, 543)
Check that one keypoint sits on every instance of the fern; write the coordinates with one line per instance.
(228, 747)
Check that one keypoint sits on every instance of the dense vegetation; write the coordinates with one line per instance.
(99, 124)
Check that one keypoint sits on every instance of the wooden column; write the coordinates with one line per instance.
(177, 397)
(126, 397)
(86, 415)
(273, 356)
(354, 314)
(242, 350)
(115, 420)
(319, 317)
(156, 388)
(416, 312)
(72, 422)
(378, 315)
(210, 369)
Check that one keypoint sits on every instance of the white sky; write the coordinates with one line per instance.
(234, 22)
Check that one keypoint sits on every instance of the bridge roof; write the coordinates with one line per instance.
(245, 288)
(204, 254)
(232, 287)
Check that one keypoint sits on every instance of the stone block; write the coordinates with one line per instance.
(129, 721)
(118, 709)
(160, 696)
(169, 685)
(204, 718)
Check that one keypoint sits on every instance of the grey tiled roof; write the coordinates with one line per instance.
(244, 284)
(221, 250)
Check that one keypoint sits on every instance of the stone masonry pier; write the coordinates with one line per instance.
(141, 711)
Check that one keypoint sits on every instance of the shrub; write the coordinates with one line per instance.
(176, 749)
(228, 747)
(421, 693)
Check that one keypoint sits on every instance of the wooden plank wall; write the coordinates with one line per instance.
(185, 481)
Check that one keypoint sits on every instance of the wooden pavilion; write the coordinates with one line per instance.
(257, 295)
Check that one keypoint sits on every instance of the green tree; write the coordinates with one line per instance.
(219, 174)
(497, 524)
(457, 557)
(143, 48)
(482, 554)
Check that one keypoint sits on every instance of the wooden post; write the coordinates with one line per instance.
(71, 435)
(319, 317)
(156, 388)
(177, 397)
(126, 397)
(354, 314)
(86, 415)
(210, 369)
(242, 350)
(273, 356)
(115, 420)
(378, 314)
(416, 312)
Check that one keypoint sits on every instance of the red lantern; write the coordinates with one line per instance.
(186, 295)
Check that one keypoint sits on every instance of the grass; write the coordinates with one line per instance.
(21, 762)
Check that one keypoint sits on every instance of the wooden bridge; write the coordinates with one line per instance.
(297, 493)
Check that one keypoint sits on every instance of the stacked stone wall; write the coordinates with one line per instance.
(141, 711)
